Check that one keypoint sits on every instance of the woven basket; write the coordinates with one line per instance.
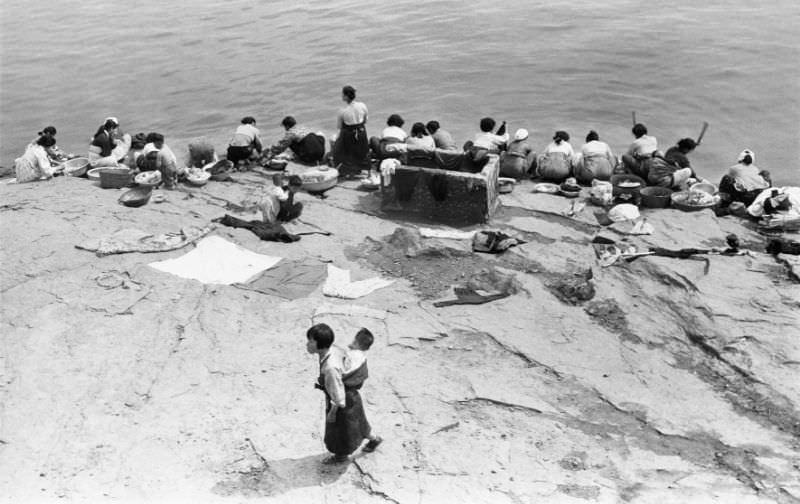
(114, 178)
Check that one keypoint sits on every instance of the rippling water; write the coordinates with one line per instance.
(190, 69)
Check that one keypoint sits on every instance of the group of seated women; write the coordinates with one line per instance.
(556, 162)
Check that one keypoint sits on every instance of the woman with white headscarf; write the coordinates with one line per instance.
(519, 157)
(744, 181)
(108, 147)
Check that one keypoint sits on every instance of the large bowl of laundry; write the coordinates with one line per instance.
(691, 201)
(317, 180)
(76, 167)
(148, 178)
(197, 176)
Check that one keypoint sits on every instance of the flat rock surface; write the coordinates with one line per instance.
(671, 380)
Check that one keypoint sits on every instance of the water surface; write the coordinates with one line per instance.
(190, 69)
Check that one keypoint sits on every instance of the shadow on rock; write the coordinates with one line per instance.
(275, 477)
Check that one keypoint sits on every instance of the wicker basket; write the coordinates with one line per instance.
(114, 178)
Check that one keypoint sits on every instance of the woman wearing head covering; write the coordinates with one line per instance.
(34, 163)
(744, 181)
(351, 149)
(108, 147)
(555, 162)
(519, 157)
(594, 161)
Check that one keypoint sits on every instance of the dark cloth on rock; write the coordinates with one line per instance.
(264, 230)
(466, 295)
(289, 279)
(783, 246)
(351, 428)
(404, 182)
(448, 159)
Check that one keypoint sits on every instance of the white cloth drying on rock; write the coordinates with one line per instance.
(623, 212)
(217, 261)
(452, 234)
(339, 285)
(388, 167)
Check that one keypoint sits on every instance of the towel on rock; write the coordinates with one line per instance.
(339, 285)
(217, 261)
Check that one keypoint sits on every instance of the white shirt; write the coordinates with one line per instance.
(353, 360)
(563, 147)
(596, 148)
(490, 141)
(645, 145)
(394, 132)
(426, 142)
(245, 135)
(354, 113)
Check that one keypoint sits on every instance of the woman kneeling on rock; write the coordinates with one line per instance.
(35, 164)
(108, 146)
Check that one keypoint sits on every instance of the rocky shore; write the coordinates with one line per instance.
(672, 380)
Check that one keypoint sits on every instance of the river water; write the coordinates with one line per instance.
(190, 69)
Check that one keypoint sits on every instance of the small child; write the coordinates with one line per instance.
(288, 208)
(355, 359)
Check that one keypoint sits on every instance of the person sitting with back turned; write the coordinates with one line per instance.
(245, 144)
(594, 161)
(299, 143)
(673, 169)
(639, 151)
(555, 161)
(441, 138)
(519, 158)
(492, 142)
(744, 181)
(419, 138)
(392, 138)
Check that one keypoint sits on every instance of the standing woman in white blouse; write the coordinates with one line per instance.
(352, 145)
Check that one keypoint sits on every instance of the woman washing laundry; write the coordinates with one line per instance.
(519, 157)
(744, 181)
(594, 161)
(555, 162)
(34, 163)
(108, 145)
